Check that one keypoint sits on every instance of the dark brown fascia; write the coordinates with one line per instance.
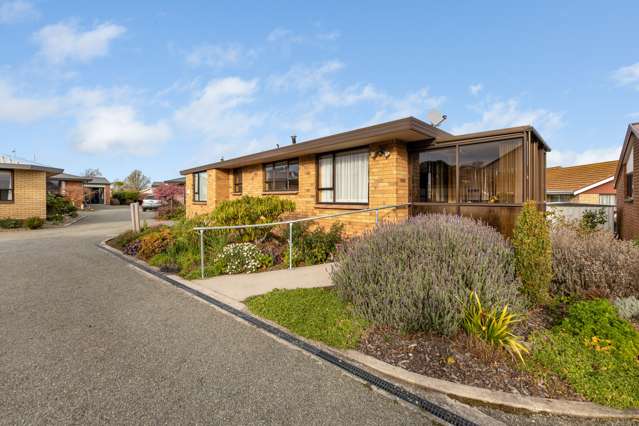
(15, 166)
(493, 133)
(412, 126)
(626, 142)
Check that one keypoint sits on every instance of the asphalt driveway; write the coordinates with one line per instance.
(84, 338)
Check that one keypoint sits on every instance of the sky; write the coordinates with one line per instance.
(162, 86)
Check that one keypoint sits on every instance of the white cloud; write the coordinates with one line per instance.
(628, 75)
(110, 129)
(283, 35)
(215, 111)
(20, 109)
(288, 37)
(305, 78)
(15, 11)
(500, 114)
(218, 56)
(475, 88)
(64, 42)
(572, 158)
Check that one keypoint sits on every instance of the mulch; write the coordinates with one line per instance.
(461, 359)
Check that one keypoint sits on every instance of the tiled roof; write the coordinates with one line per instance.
(571, 179)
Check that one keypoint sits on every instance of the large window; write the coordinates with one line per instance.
(237, 181)
(437, 174)
(630, 166)
(6, 185)
(281, 176)
(200, 183)
(491, 172)
(343, 177)
(607, 199)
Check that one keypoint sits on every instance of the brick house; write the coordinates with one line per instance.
(23, 189)
(98, 190)
(69, 186)
(487, 174)
(627, 183)
(583, 184)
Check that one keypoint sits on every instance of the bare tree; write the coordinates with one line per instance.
(92, 172)
(137, 181)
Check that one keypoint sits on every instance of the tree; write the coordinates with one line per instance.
(92, 172)
(137, 181)
(169, 192)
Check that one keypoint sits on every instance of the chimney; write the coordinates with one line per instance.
(294, 139)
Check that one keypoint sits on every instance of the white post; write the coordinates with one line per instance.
(135, 217)
(202, 253)
(290, 245)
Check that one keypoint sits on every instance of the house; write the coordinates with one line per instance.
(69, 186)
(626, 185)
(487, 175)
(98, 190)
(584, 184)
(23, 188)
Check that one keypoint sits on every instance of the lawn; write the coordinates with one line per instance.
(315, 313)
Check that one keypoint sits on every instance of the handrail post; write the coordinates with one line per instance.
(290, 245)
(202, 253)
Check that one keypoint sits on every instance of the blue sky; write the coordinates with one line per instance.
(163, 86)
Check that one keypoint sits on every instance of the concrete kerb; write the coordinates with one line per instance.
(464, 393)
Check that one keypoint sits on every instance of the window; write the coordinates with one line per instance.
(491, 172)
(237, 181)
(437, 174)
(200, 182)
(6, 185)
(559, 198)
(607, 199)
(630, 165)
(343, 177)
(281, 176)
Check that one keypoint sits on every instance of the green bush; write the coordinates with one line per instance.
(314, 247)
(34, 222)
(591, 220)
(417, 275)
(533, 253)
(123, 239)
(126, 197)
(628, 307)
(241, 257)
(57, 205)
(9, 223)
(595, 351)
(175, 211)
(249, 210)
(56, 218)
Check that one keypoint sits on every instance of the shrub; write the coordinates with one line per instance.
(57, 205)
(155, 242)
(628, 307)
(595, 351)
(316, 246)
(9, 223)
(249, 210)
(132, 248)
(417, 275)
(124, 238)
(174, 211)
(591, 220)
(593, 262)
(56, 218)
(533, 253)
(241, 257)
(492, 326)
(126, 197)
(34, 222)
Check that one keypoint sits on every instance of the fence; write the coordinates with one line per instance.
(202, 229)
(574, 211)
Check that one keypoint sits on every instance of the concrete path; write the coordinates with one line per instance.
(241, 286)
(85, 339)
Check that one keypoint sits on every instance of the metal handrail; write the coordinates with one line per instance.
(202, 229)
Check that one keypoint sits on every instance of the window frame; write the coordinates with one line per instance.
(197, 197)
(629, 176)
(333, 179)
(237, 183)
(11, 189)
(288, 179)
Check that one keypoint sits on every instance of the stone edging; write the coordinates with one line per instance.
(458, 391)
(489, 397)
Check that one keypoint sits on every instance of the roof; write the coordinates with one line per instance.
(97, 180)
(70, 177)
(633, 130)
(179, 180)
(497, 132)
(406, 129)
(576, 178)
(11, 163)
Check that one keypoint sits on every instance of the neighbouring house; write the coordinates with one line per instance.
(487, 175)
(98, 190)
(583, 184)
(69, 186)
(627, 184)
(23, 188)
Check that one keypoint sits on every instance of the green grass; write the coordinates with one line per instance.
(315, 313)
(596, 352)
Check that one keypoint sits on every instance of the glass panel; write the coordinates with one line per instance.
(202, 184)
(5, 179)
(351, 177)
(325, 195)
(607, 199)
(491, 172)
(437, 176)
(325, 171)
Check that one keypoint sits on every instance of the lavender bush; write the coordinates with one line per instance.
(593, 262)
(417, 275)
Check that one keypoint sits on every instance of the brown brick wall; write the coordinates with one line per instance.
(628, 211)
(74, 191)
(388, 184)
(29, 196)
